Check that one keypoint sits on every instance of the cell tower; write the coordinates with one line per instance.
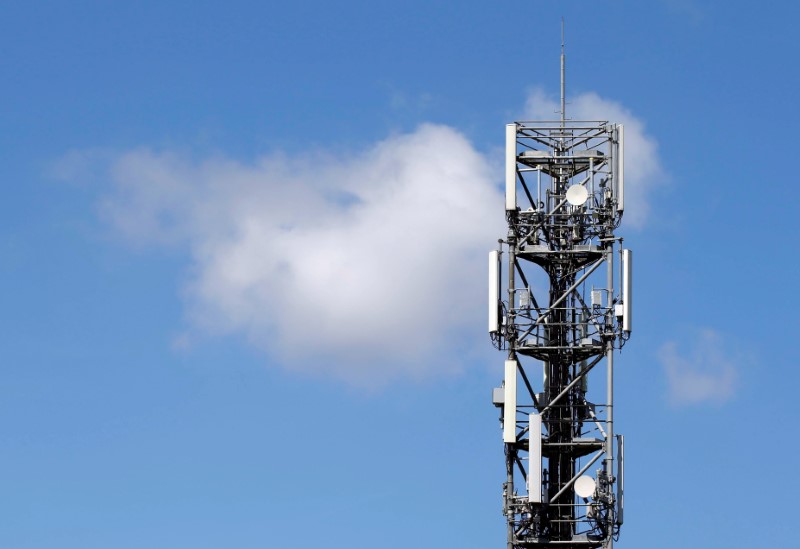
(562, 307)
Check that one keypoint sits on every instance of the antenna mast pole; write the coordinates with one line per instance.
(563, 78)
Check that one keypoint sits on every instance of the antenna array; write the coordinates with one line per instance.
(556, 308)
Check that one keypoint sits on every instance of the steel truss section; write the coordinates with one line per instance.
(554, 308)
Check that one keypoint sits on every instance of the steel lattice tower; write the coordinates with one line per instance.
(562, 307)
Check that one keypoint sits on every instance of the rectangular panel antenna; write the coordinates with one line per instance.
(627, 290)
(620, 478)
(494, 291)
(620, 175)
(511, 167)
(510, 404)
(535, 458)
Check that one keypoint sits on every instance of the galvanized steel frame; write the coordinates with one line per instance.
(570, 327)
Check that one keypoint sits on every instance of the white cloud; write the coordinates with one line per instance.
(366, 268)
(643, 170)
(706, 373)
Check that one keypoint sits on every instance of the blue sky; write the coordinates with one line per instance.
(244, 267)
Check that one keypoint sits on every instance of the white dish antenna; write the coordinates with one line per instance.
(585, 486)
(577, 195)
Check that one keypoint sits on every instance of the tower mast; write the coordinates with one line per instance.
(557, 311)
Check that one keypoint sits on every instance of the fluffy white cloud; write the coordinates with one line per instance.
(643, 170)
(705, 373)
(365, 268)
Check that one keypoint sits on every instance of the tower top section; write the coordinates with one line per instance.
(544, 159)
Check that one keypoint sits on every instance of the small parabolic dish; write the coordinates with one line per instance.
(585, 486)
(577, 195)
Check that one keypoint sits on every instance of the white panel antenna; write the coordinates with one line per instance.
(510, 404)
(494, 291)
(511, 167)
(620, 175)
(535, 458)
(627, 290)
(620, 478)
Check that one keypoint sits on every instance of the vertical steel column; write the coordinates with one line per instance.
(609, 463)
(511, 451)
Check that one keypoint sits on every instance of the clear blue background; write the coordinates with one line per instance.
(109, 438)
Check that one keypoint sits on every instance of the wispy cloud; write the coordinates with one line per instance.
(365, 268)
(643, 170)
(705, 372)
